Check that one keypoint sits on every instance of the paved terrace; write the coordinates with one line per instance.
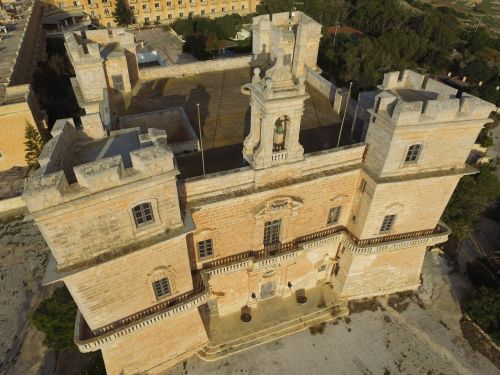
(225, 116)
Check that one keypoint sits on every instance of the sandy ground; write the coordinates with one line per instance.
(420, 335)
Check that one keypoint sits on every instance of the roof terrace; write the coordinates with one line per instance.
(224, 115)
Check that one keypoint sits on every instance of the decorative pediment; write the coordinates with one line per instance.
(338, 200)
(394, 208)
(279, 206)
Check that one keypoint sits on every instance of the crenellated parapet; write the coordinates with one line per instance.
(409, 98)
(62, 177)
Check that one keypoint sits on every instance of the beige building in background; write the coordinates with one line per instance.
(158, 11)
(164, 261)
(21, 48)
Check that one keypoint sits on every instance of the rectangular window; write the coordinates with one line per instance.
(191, 13)
(181, 15)
(157, 5)
(161, 288)
(322, 268)
(205, 249)
(334, 215)
(387, 223)
(272, 231)
(412, 154)
(203, 11)
(362, 185)
(223, 9)
(158, 18)
(169, 3)
(213, 10)
(143, 214)
(242, 6)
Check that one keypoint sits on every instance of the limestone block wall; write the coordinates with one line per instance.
(86, 227)
(234, 290)
(189, 69)
(13, 119)
(117, 66)
(376, 274)
(325, 87)
(304, 209)
(418, 205)
(120, 287)
(154, 349)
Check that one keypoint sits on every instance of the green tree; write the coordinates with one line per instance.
(56, 318)
(484, 309)
(34, 145)
(473, 195)
(122, 15)
(274, 6)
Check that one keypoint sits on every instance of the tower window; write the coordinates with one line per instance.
(143, 214)
(387, 223)
(272, 231)
(413, 153)
(161, 288)
(334, 215)
(205, 249)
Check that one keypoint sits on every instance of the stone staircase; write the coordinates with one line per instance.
(216, 350)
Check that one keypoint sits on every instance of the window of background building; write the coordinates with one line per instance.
(161, 288)
(169, 3)
(181, 15)
(413, 153)
(205, 249)
(143, 213)
(387, 223)
(242, 6)
(158, 18)
(203, 11)
(334, 215)
(272, 231)
(213, 10)
(157, 5)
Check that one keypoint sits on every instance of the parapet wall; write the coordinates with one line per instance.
(339, 160)
(325, 87)
(444, 107)
(50, 186)
(199, 67)
(408, 79)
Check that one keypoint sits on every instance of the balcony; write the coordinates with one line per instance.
(89, 341)
(279, 252)
(279, 156)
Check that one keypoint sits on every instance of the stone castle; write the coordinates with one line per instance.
(164, 263)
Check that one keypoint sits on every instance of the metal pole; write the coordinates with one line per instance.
(201, 140)
(336, 28)
(345, 112)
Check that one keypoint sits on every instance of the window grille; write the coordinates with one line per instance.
(161, 288)
(334, 215)
(387, 223)
(413, 153)
(143, 214)
(272, 231)
(205, 249)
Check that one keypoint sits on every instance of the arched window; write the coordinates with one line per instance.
(280, 127)
(143, 214)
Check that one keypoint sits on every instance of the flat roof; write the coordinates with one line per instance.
(119, 142)
(225, 115)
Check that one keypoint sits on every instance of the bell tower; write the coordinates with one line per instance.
(277, 106)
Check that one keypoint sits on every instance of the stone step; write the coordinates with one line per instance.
(274, 328)
(225, 350)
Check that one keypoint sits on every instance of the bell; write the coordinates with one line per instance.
(279, 135)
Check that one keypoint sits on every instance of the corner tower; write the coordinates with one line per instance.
(277, 105)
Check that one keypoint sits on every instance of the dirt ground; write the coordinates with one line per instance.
(23, 258)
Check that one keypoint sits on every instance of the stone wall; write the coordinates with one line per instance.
(155, 349)
(100, 291)
(325, 87)
(377, 274)
(199, 67)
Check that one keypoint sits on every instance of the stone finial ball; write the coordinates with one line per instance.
(256, 72)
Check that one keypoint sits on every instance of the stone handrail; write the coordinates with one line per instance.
(88, 340)
(236, 262)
